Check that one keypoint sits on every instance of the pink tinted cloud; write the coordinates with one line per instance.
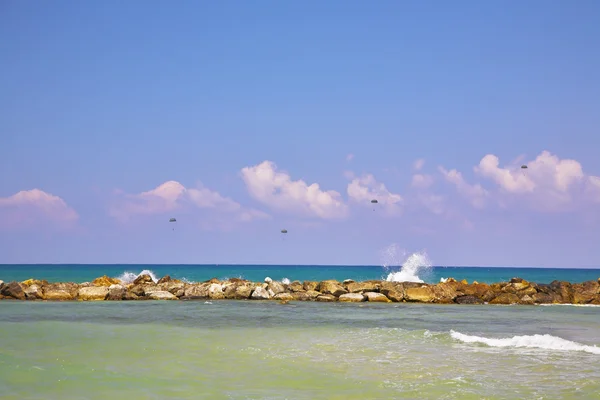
(35, 207)
(172, 198)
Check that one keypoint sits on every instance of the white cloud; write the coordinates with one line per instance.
(172, 197)
(422, 181)
(278, 191)
(349, 157)
(32, 206)
(366, 188)
(476, 194)
(548, 183)
(418, 164)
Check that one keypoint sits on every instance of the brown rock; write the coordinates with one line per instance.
(332, 287)
(445, 292)
(105, 281)
(352, 298)
(367, 286)
(164, 279)
(505, 298)
(13, 290)
(422, 294)
(542, 298)
(375, 297)
(162, 295)
(276, 287)
(143, 279)
(310, 285)
(34, 292)
(526, 299)
(296, 287)
(116, 292)
(326, 297)
(196, 291)
(93, 293)
(468, 299)
(283, 297)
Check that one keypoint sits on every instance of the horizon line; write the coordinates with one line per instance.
(285, 265)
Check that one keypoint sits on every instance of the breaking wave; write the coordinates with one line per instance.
(411, 269)
(546, 342)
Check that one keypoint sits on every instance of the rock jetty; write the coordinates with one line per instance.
(517, 291)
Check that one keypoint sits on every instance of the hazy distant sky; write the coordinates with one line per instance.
(242, 118)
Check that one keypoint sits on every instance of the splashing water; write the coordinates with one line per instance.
(128, 277)
(414, 265)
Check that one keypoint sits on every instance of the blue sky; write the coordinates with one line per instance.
(102, 101)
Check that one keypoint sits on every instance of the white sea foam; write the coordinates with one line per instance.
(412, 266)
(129, 277)
(285, 281)
(546, 342)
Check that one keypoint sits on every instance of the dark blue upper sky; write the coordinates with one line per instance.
(101, 101)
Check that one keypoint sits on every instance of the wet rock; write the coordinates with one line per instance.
(61, 291)
(445, 292)
(542, 298)
(30, 282)
(92, 293)
(143, 279)
(116, 292)
(172, 286)
(301, 296)
(14, 290)
(332, 287)
(196, 291)
(505, 298)
(352, 297)
(375, 297)
(326, 297)
(164, 279)
(283, 296)
(162, 295)
(310, 285)
(468, 299)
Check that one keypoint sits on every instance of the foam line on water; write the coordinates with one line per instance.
(546, 342)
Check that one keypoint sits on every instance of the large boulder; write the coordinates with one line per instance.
(162, 295)
(375, 297)
(423, 294)
(34, 292)
(261, 293)
(332, 287)
(505, 298)
(276, 287)
(352, 297)
(468, 299)
(196, 291)
(310, 285)
(215, 291)
(116, 292)
(105, 281)
(61, 291)
(13, 290)
(296, 287)
(92, 293)
(366, 286)
(326, 297)
(145, 278)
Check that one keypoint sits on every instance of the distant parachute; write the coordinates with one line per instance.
(374, 201)
(172, 220)
(523, 168)
(284, 231)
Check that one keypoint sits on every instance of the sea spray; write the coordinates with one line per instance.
(412, 269)
(128, 277)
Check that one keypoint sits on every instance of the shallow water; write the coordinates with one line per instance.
(302, 350)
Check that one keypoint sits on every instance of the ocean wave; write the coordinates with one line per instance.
(546, 342)
(571, 305)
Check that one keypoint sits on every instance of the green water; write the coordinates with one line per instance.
(265, 350)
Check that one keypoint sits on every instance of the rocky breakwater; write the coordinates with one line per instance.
(517, 291)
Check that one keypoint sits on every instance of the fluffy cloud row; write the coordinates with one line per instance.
(549, 184)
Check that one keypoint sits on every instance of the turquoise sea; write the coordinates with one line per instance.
(196, 273)
(301, 350)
